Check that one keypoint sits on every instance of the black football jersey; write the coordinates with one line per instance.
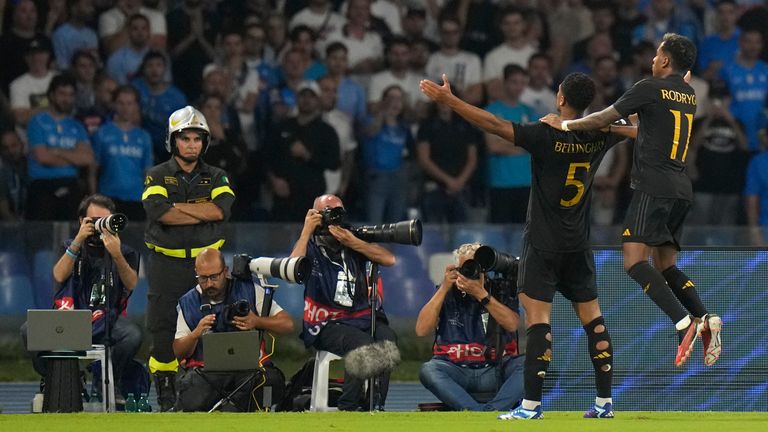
(563, 166)
(665, 107)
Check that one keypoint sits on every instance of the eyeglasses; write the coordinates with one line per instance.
(213, 278)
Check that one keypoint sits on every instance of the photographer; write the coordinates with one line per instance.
(337, 314)
(464, 365)
(82, 283)
(208, 307)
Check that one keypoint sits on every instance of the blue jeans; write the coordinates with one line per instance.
(455, 385)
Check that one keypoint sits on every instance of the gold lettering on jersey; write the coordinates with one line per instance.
(589, 147)
(677, 96)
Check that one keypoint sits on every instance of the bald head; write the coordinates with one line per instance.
(209, 257)
(327, 200)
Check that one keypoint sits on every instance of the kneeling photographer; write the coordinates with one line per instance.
(220, 303)
(474, 317)
(337, 313)
(97, 272)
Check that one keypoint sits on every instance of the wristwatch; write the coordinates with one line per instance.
(485, 300)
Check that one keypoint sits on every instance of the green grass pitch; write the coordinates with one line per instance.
(385, 422)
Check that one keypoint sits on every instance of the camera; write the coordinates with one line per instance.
(333, 216)
(490, 259)
(470, 269)
(239, 308)
(292, 269)
(405, 232)
(112, 224)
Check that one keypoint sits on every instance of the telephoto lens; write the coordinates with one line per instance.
(112, 224)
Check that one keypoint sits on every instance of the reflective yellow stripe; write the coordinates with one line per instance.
(154, 190)
(217, 245)
(157, 366)
(182, 253)
(220, 190)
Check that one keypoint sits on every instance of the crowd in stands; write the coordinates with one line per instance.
(305, 97)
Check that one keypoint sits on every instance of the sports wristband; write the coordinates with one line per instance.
(70, 254)
(564, 125)
(75, 244)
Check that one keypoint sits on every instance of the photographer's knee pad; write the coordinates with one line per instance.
(600, 346)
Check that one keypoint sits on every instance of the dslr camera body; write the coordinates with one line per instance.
(405, 232)
(239, 308)
(504, 266)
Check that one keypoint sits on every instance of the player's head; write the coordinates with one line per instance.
(675, 54)
(577, 91)
(184, 122)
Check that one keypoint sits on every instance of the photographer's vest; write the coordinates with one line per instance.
(75, 292)
(189, 304)
(461, 336)
(329, 278)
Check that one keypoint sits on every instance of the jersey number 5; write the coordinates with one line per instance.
(676, 138)
(572, 181)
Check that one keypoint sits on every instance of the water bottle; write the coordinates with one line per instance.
(130, 403)
(143, 404)
(93, 403)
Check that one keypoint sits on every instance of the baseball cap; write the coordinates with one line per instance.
(308, 85)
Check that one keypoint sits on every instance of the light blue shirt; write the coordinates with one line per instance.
(749, 88)
(68, 39)
(510, 171)
(123, 157)
(44, 130)
(124, 63)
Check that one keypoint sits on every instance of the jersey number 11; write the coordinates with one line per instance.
(676, 138)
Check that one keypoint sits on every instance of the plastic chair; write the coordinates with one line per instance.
(319, 397)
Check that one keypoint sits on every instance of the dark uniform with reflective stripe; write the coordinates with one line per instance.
(174, 247)
(556, 251)
(663, 191)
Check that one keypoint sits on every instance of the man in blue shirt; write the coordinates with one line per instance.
(720, 48)
(75, 35)
(59, 149)
(123, 152)
(159, 99)
(509, 167)
(747, 80)
(124, 63)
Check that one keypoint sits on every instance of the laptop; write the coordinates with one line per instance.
(58, 330)
(231, 351)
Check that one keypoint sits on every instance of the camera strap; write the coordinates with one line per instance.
(345, 281)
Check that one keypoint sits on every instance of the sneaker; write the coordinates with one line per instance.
(710, 338)
(521, 413)
(687, 339)
(597, 411)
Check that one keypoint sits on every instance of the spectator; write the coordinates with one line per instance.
(538, 93)
(351, 98)
(192, 32)
(101, 111)
(114, 31)
(464, 67)
(719, 155)
(16, 40)
(465, 372)
(337, 313)
(364, 45)
(199, 390)
(123, 152)
(599, 45)
(476, 17)
(756, 195)
(516, 49)
(301, 149)
(603, 21)
(628, 17)
(84, 71)
(80, 269)
(747, 80)
(283, 98)
(509, 167)
(253, 48)
(29, 92)
(319, 16)
(124, 63)
(303, 40)
(721, 48)
(388, 143)
(159, 99)
(227, 149)
(398, 73)
(608, 86)
(59, 149)
(337, 180)
(14, 181)
(665, 17)
(277, 39)
(75, 34)
(447, 153)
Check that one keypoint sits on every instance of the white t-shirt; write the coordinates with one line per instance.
(113, 20)
(384, 79)
(182, 329)
(501, 56)
(342, 124)
(542, 101)
(385, 10)
(463, 68)
(370, 46)
(323, 23)
(30, 92)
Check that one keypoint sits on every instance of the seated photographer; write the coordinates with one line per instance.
(464, 367)
(81, 283)
(337, 314)
(215, 305)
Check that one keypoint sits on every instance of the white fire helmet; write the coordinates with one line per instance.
(187, 118)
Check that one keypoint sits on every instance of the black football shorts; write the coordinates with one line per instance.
(542, 273)
(654, 221)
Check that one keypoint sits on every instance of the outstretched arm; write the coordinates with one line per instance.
(593, 121)
(478, 117)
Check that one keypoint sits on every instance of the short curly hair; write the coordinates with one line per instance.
(467, 249)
